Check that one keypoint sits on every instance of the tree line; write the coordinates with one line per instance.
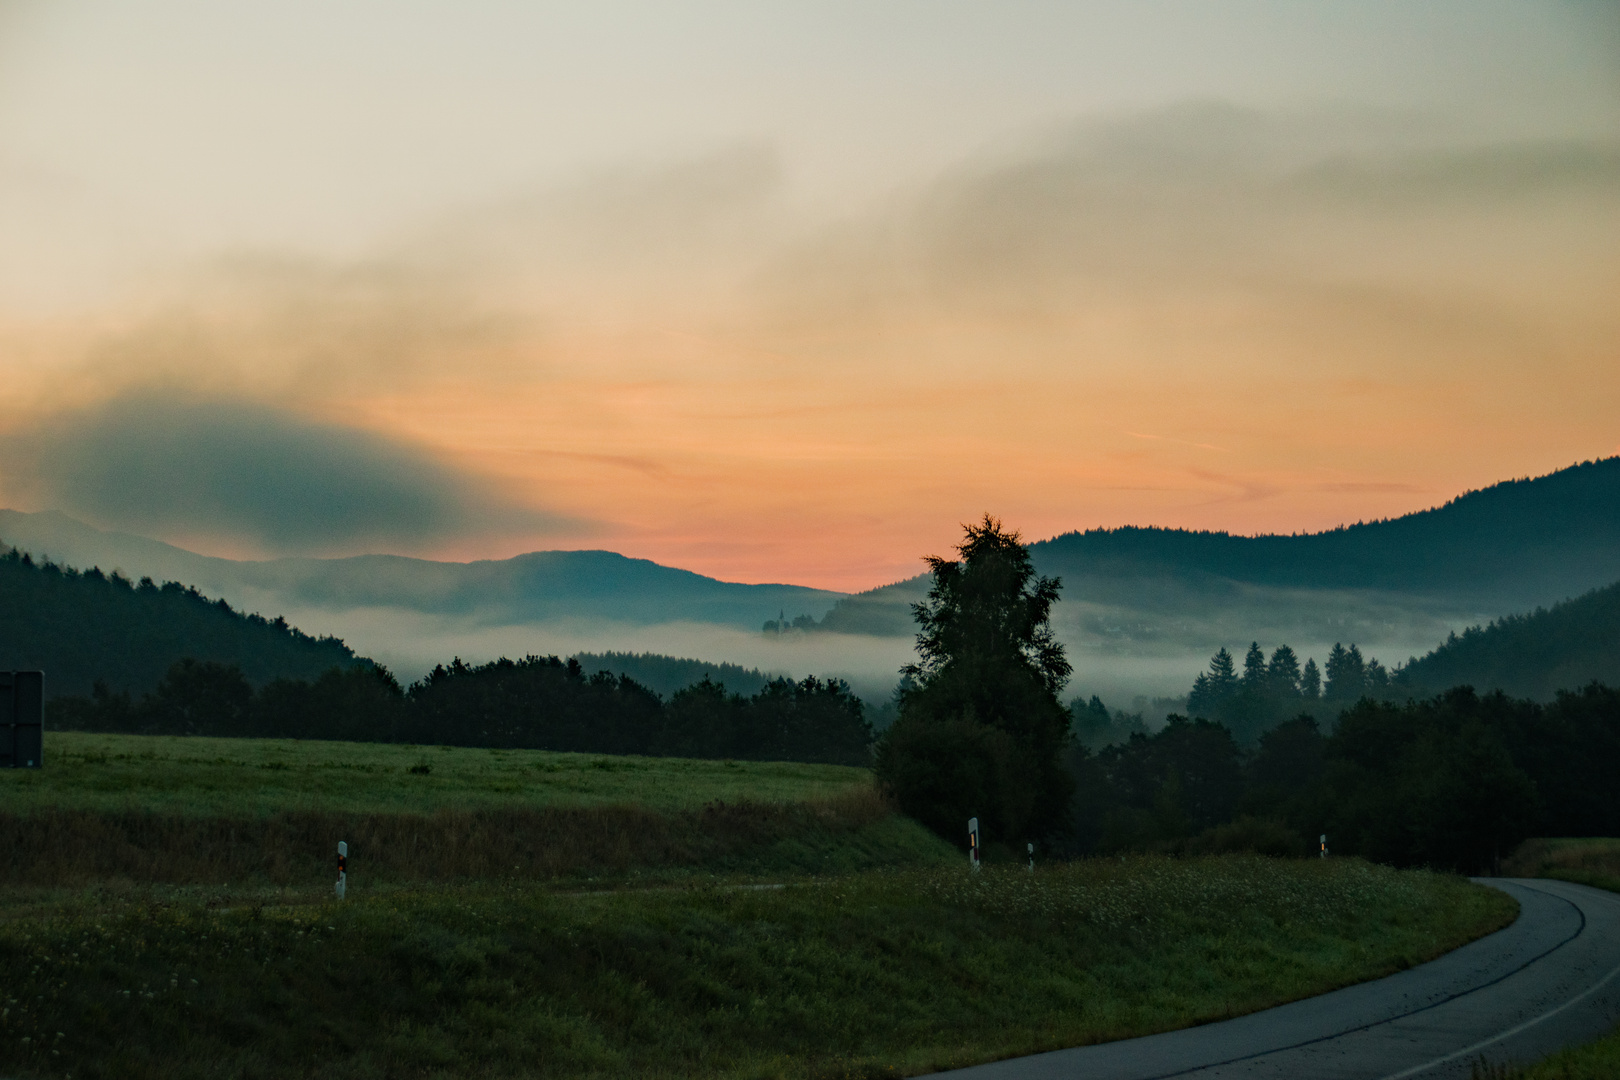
(667, 674)
(539, 703)
(1455, 780)
(1532, 655)
(1269, 691)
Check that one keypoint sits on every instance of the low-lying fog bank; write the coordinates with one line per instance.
(410, 643)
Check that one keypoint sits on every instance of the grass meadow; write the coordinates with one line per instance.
(875, 973)
(1591, 861)
(260, 814)
(166, 910)
(1594, 1061)
(260, 777)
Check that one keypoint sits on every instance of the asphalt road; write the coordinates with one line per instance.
(1550, 980)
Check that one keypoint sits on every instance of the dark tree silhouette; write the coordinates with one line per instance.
(1254, 668)
(1182, 779)
(539, 702)
(1346, 674)
(87, 627)
(981, 734)
(1310, 681)
(1282, 674)
(1531, 655)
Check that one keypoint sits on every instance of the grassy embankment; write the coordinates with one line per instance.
(858, 974)
(1586, 861)
(473, 969)
(254, 812)
(1594, 1061)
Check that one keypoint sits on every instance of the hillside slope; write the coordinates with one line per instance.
(1563, 647)
(1515, 545)
(80, 627)
(1530, 540)
(535, 587)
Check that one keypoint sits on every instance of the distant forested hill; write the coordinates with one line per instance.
(1557, 534)
(1563, 647)
(668, 674)
(535, 587)
(1512, 546)
(79, 627)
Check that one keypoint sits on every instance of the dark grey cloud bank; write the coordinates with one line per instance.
(250, 473)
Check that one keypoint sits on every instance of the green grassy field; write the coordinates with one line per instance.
(166, 910)
(1586, 861)
(259, 777)
(1594, 1061)
(871, 974)
(255, 813)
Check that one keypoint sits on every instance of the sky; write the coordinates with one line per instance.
(789, 291)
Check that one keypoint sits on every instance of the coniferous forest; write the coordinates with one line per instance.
(1411, 766)
(84, 626)
(537, 703)
(1533, 655)
(1455, 780)
(110, 647)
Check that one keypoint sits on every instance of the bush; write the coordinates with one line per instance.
(1250, 835)
(943, 772)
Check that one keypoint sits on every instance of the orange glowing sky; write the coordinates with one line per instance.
(786, 292)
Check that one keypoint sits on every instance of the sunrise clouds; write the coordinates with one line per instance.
(786, 292)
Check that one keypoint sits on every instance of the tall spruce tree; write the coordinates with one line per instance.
(1254, 668)
(1310, 681)
(1282, 673)
(1212, 690)
(1346, 674)
(1223, 681)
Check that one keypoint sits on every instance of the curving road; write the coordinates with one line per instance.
(1549, 980)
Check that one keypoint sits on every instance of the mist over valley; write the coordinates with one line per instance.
(1142, 609)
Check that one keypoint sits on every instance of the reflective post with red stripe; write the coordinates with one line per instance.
(343, 869)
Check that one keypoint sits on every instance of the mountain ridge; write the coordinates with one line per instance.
(1531, 654)
(1513, 545)
(1142, 606)
(1510, 526)
(84, 627)
(528, 587)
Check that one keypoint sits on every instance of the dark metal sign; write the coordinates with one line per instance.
(22, 719)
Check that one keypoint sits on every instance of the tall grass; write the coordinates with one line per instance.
(1598, 1060)
(852, 976)
(67, 848)
(261, 777)
(1591, 860)
(256, 812)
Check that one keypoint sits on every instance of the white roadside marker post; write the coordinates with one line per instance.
(343, 869)
(1323, 842)
(973, 842)
(1031, 847)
